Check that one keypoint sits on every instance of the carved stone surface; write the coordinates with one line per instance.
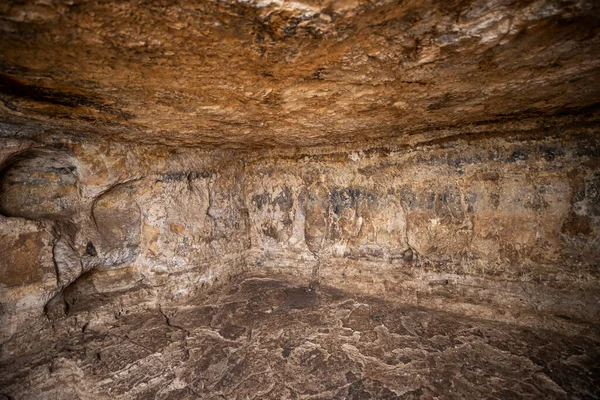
(508, 209)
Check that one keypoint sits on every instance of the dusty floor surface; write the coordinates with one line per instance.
(266, 339)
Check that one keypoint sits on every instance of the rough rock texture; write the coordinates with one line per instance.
(480, 232)
(267, 339)
(119, 211)
(439, 222)
(292, 73)
(312, 199)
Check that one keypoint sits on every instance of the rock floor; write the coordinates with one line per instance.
(267, 339)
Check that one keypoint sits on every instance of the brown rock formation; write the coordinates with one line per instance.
(281, 73)
(311, 199)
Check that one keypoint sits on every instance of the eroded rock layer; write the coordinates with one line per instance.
(506, 227)
(114, 217)
(291, 73)
(312, 199)
(438, 221)
(498, 228)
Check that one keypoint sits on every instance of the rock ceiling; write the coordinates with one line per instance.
(268, 73)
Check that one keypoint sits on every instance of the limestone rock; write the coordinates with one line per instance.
(118, 220)
(39, 184)
(242, 74)
(27, 273)
(268, 338)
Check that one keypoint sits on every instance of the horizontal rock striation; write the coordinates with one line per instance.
(437, 221)
(128, 221)
(500, 228)
(241, 74)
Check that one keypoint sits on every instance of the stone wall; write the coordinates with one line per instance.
(499, 228)
(82, 222)
(502, 228)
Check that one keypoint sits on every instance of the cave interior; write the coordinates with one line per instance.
(311, 199)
